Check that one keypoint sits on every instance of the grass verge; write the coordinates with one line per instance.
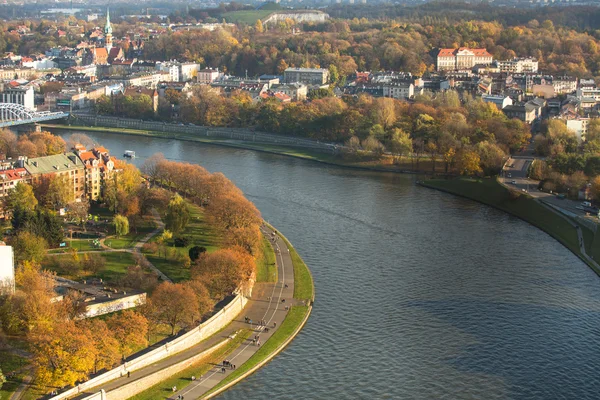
(11, 363)
(266, 269)
(290, 324)
(116, 265)
(490, 192)
(303, 282)
(182, 379)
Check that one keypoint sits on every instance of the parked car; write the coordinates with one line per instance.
(513, 182)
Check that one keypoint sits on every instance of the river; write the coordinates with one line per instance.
(419, 294)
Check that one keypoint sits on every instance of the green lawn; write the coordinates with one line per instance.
(489, 191)
(181, 380)
(291, 322)
(246, 16)
(116, 265)
(303, 282)
(10, 362)
(199, 233)
(266, 269)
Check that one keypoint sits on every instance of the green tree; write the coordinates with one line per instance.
(29, 247)
(400, 143)
(21, 197)
(334, 75)
(121, 225)
(178, 215)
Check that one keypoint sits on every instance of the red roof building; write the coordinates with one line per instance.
(461, 58)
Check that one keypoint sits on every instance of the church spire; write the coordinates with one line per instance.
(108, 31)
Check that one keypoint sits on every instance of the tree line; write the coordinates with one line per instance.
(67, 349)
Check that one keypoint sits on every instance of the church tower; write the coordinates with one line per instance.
(108, 31)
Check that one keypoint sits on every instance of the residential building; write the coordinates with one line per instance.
(14, 92)
(99, 166)
(546, 91)
(59, 166)
(524, 112)
(461, 58)
(564, 84)
(170, 68)
(519, 65)
(207, 75)
(145, 79)
(188, 71)
(590, 93)
(318, 76)
(138, 91)
(399, 90)
(7, 269)
(10, 177)
(296, 91)
(499, 101)
(579, 125)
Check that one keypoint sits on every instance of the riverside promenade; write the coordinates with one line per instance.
(266, 303)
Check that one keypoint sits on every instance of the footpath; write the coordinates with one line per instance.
(266, 303)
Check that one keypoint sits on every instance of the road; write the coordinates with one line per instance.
(516, 170)
(265, 303)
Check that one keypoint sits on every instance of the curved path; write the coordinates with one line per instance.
(265, 303)
(273, 311)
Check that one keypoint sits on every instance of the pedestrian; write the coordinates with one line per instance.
(286, 285)
(234, 367)
(223, 369)
(193, 378)
(274, 324)
(253, 341)
(128, 374)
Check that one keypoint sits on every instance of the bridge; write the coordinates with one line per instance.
(12, 114)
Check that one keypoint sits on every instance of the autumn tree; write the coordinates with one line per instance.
(130, 329)
(399, 144)
(175, 305)
(78, 212)
(64, 357)
(224, 271)
(468, 162)
(107, 347)
(30, 308)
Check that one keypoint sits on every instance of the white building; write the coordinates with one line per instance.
(317, 76)
(23, 95)
(462, 58)
(589, 93)
(171, 68)
(400, 90)
(579, 126)
(207, 75)
(519, 65)
(499, 101)
(297, 91)
(7, 269)
(188, 71)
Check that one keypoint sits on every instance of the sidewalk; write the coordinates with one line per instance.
(273, 311)
(265, 304)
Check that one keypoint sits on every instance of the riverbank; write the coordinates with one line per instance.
(405, 165)
(492, 193)
(304, 294)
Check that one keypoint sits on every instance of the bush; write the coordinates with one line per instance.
(151, 247)
(195, 252)
(94, 263)
(182, 241)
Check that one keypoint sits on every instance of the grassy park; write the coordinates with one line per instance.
(266, 269)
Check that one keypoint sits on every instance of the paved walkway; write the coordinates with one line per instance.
(272, 309)
(265, 304)
(136, 249)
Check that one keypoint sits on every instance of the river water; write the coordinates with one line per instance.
(420, 294)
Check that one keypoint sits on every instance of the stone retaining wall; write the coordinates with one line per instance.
(189, 339)
(139, 385)
(241, 134)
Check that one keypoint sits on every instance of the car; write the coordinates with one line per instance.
(586, 204)
(513, 182)
(509, 175)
